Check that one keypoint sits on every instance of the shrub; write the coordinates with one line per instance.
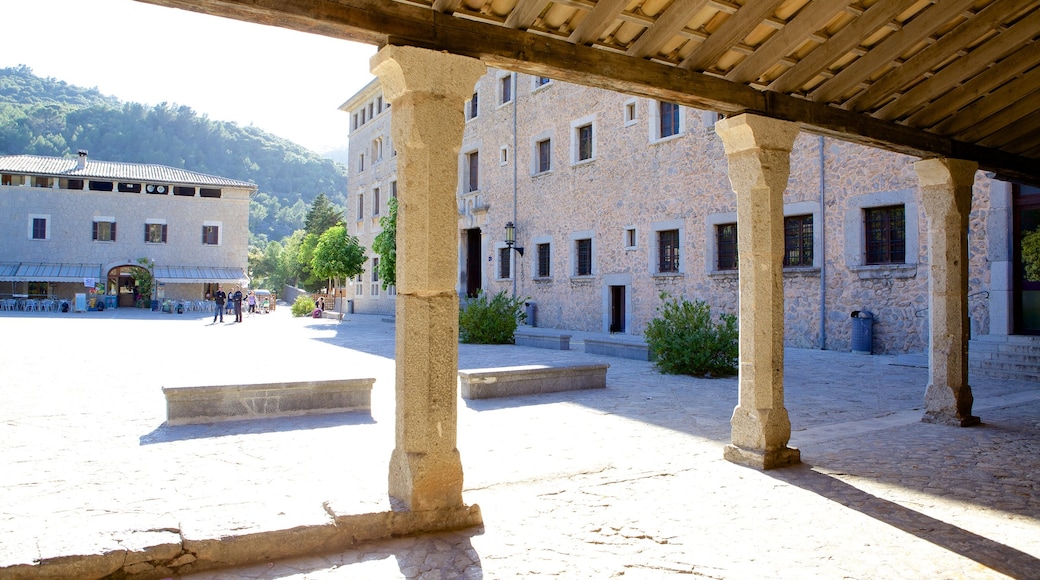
(490, 321)
(303, 306)
(684, 340)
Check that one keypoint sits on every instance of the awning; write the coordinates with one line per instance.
(197, 275)
(32, 272)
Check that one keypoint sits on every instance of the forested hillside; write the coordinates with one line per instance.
(45, 116)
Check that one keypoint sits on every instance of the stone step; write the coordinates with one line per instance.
(1006, 370)
(1033, 359)
(997, 374)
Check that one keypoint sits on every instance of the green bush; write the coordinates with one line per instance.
(303, 306)
(684, 340)
(490, 321)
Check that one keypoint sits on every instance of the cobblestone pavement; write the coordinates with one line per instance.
(625, 481)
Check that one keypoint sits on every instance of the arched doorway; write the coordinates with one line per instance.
(123, 284)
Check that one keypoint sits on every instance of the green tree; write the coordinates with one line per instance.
(322, 216)
(337, 255)
(385, 244)
(1031, 254)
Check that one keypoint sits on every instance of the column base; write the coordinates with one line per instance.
(423, 482)
(950, 419)
(763, 460)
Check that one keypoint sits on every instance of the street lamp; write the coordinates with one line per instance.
(511, 238)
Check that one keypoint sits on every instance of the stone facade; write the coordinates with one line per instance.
(71, 197)
(635, 184)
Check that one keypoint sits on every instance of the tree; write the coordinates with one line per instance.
(385, 244)
(322, 216)
(337, 255)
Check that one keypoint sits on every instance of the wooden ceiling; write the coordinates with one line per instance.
(949, 78)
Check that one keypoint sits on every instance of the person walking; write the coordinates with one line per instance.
(251, 301)
(219, 297)
(237, 299)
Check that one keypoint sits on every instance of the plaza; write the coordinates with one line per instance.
(628, 480)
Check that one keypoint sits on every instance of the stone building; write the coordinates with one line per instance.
(617, 199)
(69, 223)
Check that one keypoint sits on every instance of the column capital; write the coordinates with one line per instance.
(405, 69)
(746, 132)
(945, 183)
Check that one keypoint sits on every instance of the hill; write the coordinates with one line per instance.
(45, 116)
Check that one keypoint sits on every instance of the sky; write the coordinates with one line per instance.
(285, 82)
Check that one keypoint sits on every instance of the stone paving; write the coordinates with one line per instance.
(624, 481)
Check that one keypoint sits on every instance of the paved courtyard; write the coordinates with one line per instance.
(627, 481)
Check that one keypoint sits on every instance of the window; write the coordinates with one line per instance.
(504, 269)
(630, 238)
(377, 150)
(798, 241)
(668, 251)
(503, 155)
(583, 257)
(104, 230)
(185, 191)
(355, 121)
(361, 163)
(505, 90)
(375, 201)
(544, 156)
(375, 269)
(630, 113)
(211, 235)
(669, 119)
(38, 229)
(584, 136)
(92, 186)
(8, 179)
(726, 246)
(886, 235)
(474, 107)
(379, 104)
(544, 260)
(359, 286)
(541, 81)
(121, 187)
(209, 192)
(473, 171)
(360, 206)
(155, 233)
(393, 189)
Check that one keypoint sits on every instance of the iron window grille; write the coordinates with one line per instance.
(726, 246)
(798, 241)
(886, 235)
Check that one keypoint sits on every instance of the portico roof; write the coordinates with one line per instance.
(957, 78)
(38, 272)
(197, 275)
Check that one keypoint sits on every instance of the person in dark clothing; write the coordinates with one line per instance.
(219, 298)
(237, 298)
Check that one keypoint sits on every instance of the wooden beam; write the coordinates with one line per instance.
(810, 19)
(668, 24)
(1026, 143)
(963, 68)
(849, 37)
(446, 6)
(597, 20)
(524, 13)
(950, 105)
(888, 50)
(1022, 128)
(1002, 127)
(732, 31)
(916, 66)
(979, 111)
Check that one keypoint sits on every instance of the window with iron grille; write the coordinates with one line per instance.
(155, 233)
(473, 171)
(669, 119)
(583, 255)
(668, 251)
(584, 142)
(504, 270)
(886, 234)
(210, 235)
(798, 241)
(104, 231)
(474, 107)
(543, 260)
(544, 155)
(726, 246)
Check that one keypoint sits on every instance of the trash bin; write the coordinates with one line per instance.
(862, 332)
(350, 307)
(529, 309)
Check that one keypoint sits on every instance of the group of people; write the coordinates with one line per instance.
(231, 303)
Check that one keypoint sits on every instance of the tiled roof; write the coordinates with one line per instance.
(67, 167)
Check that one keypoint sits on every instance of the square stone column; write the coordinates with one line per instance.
(758, 150)
(428, 90)
(946, 196)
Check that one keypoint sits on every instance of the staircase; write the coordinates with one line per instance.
(1005, 357)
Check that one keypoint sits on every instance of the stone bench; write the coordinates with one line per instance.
(531, 379)
(210, 404)
(554, 341)
(632, 348)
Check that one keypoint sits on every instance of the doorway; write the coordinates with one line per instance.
(473, 262)
(1026, 251)
(617, 309)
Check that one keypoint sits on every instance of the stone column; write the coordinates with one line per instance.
(427, 90)
(946, 197)
(758, 150)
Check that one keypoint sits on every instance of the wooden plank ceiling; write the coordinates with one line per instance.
(949, 78)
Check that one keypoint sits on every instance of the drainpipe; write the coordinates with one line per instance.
(823, 252)
(516, 103)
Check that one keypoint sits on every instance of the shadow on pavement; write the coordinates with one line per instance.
(167, 433)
